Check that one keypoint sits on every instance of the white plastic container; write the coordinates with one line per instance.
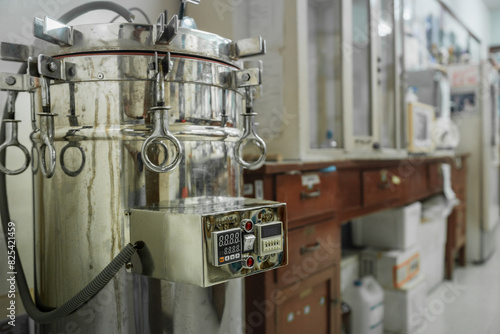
(366, 299)
(432, 238)
(404, 307)
(392, 269)
(349, 270)
(390, 229)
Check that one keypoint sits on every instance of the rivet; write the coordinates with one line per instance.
(52, 66)
(10, 80)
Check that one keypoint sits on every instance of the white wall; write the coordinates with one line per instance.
(476, 17)
(495, 27)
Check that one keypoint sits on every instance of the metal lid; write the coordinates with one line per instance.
(65, 40)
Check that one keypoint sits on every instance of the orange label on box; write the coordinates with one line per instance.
(405, 271)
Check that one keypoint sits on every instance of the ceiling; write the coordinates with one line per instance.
(492, 4)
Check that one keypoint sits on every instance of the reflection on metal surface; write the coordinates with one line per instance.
(101, 95)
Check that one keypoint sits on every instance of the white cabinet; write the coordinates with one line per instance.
(331, 83)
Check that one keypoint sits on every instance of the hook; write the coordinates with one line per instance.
(11, 127)
(161, 133)
(250, 136)
(47, 138)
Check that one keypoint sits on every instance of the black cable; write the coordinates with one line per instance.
(131, 9)
(107, 273)
(97, 5)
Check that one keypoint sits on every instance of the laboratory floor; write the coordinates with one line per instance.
(470, 304)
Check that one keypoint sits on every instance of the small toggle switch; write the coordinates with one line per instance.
(248, 243)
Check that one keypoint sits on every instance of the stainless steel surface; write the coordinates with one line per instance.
(166, 32)
(95, 118)
(248, 47)
(181, 242)
(14, 52)
(15, 82)
(139, 37)
(57, 31)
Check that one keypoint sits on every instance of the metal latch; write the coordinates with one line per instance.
(248, 47)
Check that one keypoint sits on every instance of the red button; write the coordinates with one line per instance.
(248, 226)
(250, 262)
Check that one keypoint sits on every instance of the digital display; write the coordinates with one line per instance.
(228, 246)
(270, 230)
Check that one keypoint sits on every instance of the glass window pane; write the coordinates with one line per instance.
(325, 80)
(387, 75)
(361, 68)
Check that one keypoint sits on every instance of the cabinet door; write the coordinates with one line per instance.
(363, 62)
(325, 74)
(310, 306)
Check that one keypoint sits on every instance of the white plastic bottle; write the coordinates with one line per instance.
(411, 95)
(366, 298)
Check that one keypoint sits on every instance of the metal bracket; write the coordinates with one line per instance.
(54, 68)
(166, 33)
(246, 78)
(53, 31)
(16, 82)
(15, 52)
(248, 47)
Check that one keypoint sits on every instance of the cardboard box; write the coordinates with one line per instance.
(432, 264)
(404, 307)
(392, 269)
(390, 229)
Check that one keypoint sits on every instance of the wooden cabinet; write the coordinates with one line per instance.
(457, 221)
(310, 306)
(309, 196)
(305, 296)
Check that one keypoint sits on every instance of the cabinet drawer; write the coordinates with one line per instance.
(416, 182)
(381, 185)
(310, 307)
(310, 249)
(307, 195)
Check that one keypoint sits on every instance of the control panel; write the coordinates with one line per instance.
(210, 244)
(227, 246)
(238, 244)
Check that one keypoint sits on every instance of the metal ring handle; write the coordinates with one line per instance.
(48, 172)
(11, 140)
(35, 165)
(161, 168)
(259, 143)
(250, 136)
(26, 164)
(63, 165)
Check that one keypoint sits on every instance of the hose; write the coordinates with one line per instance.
(131, 9)
(97, 5)
(111, 269)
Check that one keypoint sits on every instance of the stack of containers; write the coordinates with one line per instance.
(432, 238)
(394, 259)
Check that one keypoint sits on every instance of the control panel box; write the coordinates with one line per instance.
(205, 244)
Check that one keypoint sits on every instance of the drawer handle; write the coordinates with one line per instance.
(304, 195)
(310, 249)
